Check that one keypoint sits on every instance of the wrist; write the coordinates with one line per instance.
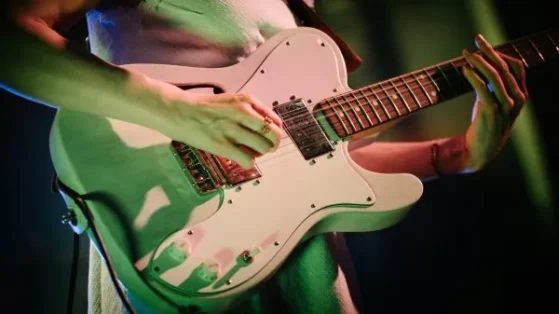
(155, 100)
(450, 156)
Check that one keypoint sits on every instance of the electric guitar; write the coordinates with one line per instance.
(181, 228)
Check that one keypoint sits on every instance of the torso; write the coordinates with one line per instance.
(204, 33)
(318, 275)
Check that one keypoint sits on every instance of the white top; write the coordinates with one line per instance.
(204, 33)
(216, 33)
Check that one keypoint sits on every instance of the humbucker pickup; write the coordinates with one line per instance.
(303, 128)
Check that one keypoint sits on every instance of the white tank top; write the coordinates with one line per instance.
(203, 33)
(215, 33)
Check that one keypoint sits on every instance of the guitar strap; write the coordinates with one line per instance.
(309, 18)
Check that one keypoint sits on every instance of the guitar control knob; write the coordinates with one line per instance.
(247, 258)
(209, 271)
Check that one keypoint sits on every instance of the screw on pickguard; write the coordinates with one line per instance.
(210, 172)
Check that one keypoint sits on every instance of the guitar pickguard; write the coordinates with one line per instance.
(208, 243)
(260, 219)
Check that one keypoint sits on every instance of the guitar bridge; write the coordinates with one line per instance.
(209, 172)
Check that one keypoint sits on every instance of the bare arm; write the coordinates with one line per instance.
(38, 64)
(415, 157)
(495, 111)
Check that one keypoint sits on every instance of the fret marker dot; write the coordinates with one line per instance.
(422, 76)
(394, 96)
(357, 109)
(375, 103)
(433, 93)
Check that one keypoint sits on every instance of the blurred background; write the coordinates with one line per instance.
(479, 243)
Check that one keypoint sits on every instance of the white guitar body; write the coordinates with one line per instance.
(294, 198)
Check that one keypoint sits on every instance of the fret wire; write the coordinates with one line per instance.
(405, 82)
(423, 88)
(362, 109)
(446, 79)
(348, 117)
(370, 105)
(390, 99)
(411, 92)
(415, 77)
(546, 47)
(432, 80)
(335, 123)
(519, 54)
(461, 77)
(354, 112)
(346, 130)
(400, 95)
(552, 41)
(536, 49)
(380, 102)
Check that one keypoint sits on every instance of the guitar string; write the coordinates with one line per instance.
(392, 109)
(394, 88)
(389, 109)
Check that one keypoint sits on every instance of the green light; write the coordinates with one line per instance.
(524, 135)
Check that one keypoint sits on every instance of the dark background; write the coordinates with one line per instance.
(476, 243)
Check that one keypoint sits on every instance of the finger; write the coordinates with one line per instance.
(256, 122)
(519, 71)
(241, 135)
(497, 60)
(492, 55)
(265, 111)
(237, 154)
(519, 93)
(487, 100)
(475, 109)
(495, 81)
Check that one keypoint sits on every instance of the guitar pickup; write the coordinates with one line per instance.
(303, 129)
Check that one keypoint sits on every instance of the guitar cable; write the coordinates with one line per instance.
(69, 217)
(73, 273)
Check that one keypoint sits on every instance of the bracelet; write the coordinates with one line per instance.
(434, 157)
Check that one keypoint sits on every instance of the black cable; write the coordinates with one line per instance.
(73, 274)
(69, 218)
(112, 274)
(57, 185)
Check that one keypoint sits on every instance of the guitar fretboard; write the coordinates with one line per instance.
(367, 107)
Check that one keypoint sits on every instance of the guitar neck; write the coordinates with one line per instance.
(362, 109)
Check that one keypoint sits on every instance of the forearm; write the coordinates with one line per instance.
(414, 157)
(38, 66)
